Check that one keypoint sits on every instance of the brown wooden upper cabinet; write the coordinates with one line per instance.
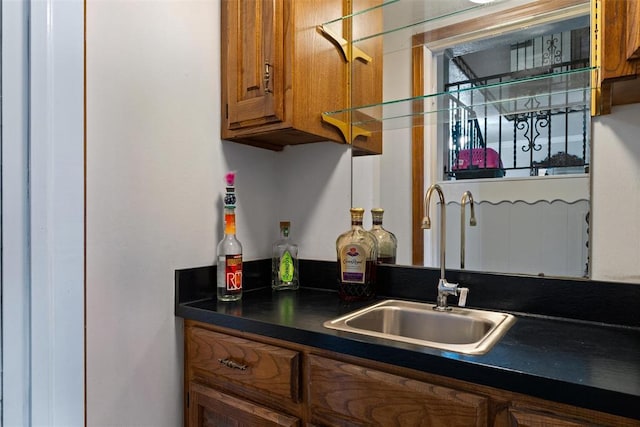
(280, 72)
(616, 41)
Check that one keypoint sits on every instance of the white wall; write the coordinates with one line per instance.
(540, 238)
(313, 190)
(155, 167)
(528, 225)
(615, 223)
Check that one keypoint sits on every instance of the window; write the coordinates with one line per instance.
(487, 142)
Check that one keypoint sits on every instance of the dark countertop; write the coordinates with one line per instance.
(587, 364)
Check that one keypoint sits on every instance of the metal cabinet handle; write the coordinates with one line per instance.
(267, 76)
(231, 364)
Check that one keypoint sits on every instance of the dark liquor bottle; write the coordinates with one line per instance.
(357, 258)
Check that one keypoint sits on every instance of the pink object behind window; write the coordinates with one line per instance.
(475, 158)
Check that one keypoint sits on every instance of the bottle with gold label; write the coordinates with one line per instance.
(284, 261)
(357, 257)
(387, 242)
(229, 251)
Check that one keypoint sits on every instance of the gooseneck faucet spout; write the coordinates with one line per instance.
(444, 288)
(472, 222)
(426, 222)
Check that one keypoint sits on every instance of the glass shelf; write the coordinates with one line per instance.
(424, 17)
(358, 12)
(561, 91)
(405, 18)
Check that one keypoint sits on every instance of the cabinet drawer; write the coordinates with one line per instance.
(209, 407)
(518, 418)
(238, 364)
(345, 394)
(557, 415)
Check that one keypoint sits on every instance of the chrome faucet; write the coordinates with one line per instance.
(472, 222)
(444, 288)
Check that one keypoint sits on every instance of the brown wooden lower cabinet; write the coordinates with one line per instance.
(344, 393)
(227, 377)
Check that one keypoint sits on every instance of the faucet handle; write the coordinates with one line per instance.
(462, 298)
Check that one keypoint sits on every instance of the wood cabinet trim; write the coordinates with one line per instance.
(417, 157)
(515, 14)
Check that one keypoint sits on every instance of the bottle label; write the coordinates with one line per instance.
(286, 267)
(233, 272)
(230, 223)
(353, 263)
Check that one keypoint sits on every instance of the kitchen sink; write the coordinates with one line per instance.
(461, 330)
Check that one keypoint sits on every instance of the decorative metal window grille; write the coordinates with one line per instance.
(538, 142)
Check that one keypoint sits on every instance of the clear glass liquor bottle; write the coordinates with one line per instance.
(284, 261)
(357, 257)
(229, 267)
(387, 242)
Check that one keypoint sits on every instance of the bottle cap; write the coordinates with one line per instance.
(377, 213)
(230, 195)
(357, 214)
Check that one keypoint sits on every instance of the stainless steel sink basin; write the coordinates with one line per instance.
(461, 330)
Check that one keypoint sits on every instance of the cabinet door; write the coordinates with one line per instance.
(346, 394)
(208, 407)
(633, 31)
(556, 415)
(621, 34)
(534, 419)
(252, 63)
(617, 52)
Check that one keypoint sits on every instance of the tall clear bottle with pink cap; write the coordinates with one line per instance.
(229, 251)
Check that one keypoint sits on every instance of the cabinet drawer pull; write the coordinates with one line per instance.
(231, 364)
(267, 77)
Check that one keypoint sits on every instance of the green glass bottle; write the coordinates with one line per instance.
(284, 261)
